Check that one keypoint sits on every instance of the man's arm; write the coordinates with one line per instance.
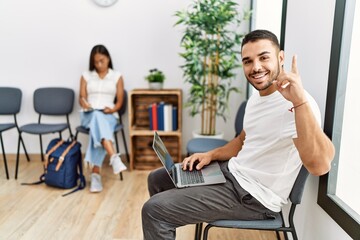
(223, 153)
(315, 148)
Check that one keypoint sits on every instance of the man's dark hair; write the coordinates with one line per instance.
(260, 35)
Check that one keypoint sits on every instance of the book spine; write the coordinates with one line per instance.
(174, 118)
(168, 117)
(150, 117)
(160, 118)
(154, 116)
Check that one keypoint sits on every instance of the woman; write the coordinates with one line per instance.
(98, 88)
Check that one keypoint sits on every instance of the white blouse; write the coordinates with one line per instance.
(101, 92)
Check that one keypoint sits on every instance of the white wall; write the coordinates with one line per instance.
(308, 34)
(47, 43)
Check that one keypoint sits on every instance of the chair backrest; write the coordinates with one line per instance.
(10, 100)
(239, 120)
(54, 100)
(122, 110)
(299, 185)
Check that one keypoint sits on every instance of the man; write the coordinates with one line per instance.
(281, 133)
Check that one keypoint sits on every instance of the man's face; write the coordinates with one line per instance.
(261, 63)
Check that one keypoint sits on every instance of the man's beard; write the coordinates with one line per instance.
(269, 83)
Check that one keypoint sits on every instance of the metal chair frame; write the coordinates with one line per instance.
(277, 224)
(10, 104)
(51, 101)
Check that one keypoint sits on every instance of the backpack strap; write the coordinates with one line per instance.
(53, 149)
(63, 155)
(42, 180)
(82, 183)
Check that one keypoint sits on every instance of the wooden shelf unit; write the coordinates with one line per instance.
(142, 156)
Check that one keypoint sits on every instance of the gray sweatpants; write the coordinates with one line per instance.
(169, 207)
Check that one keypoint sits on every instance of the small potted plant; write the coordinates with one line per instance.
(155, 78)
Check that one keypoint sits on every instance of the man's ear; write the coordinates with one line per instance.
(281, 57)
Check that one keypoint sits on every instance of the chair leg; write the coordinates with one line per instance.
(17, 157)
(286, 236)
(206, 230)
(4, 156)
(118, 150)
(293, 233)
(26, 154)
(116, 143)
(41, 149)
(125, 145)
(76, 134)
(278, 235)
(198, 230)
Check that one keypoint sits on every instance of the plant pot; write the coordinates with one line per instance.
(155, 85)
(218, 135)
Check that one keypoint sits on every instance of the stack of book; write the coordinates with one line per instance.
(163, 117)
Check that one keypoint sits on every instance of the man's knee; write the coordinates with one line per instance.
(153, 187)
(149, 209)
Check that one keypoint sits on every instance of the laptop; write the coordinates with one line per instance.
(210, 174)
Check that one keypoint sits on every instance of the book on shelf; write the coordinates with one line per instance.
(168, 117)
(174, 118)
(153, 116)
(150, 117)
(163, 116)
(160, 116)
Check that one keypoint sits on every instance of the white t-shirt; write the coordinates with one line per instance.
(101, 92)
(269, 162)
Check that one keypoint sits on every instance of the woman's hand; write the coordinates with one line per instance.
(84, 104)
(108, 110)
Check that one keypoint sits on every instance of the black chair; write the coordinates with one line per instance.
(119, 127)
(10, 103)
(51, 101)
(199, 145)
(277, 224)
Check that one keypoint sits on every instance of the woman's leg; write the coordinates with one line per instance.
(101, 131)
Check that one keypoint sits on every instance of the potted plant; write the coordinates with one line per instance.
(155, 78)
(211, 44)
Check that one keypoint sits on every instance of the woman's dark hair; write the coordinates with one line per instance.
(260, 35)
(102, 50)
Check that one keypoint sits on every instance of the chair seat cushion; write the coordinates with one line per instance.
(118, 127)
(86, 130)
(35, 128)
(250, 224)
(198, 145)
(6, 126)
(82, 129)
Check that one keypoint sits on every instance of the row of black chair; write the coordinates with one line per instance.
(51, 101)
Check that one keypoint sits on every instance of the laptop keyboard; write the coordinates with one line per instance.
(190, 177)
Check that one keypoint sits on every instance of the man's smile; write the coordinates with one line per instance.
(259, 76)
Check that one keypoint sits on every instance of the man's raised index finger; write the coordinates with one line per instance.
(294, 64)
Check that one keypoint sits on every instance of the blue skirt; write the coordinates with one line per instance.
(101, 127)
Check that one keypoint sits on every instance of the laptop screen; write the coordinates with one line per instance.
(162, 153)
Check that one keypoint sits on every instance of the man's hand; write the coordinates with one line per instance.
(202, 159)
(289, 84)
